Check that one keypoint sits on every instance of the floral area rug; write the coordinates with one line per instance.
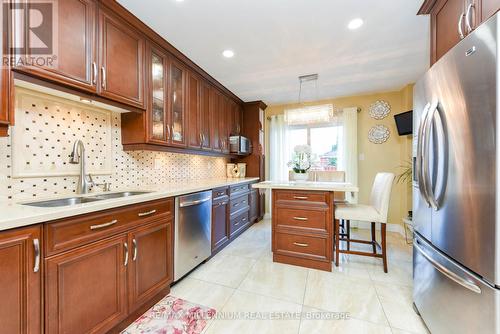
(172, 315)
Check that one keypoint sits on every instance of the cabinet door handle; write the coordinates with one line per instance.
(300, 197)
(468, 23)
(96, 227)
(460, 24)
(103, 73)
(300, 244)
(94, 73)
(125, 247)
(36, 247)
(168, 133)
(134, 242)
(148, 213)
(301, 218)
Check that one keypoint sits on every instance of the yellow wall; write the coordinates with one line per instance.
(387, 157)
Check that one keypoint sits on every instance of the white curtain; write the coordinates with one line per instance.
(348, 149)
(279, 154)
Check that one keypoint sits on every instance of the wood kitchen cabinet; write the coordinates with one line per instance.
(151, 267)
(215, 119)
(220, 219)
(75, 46)
(224, 121)
(21, 281)
(254, 205)
(86, 288)
(204, 115)
(100, 267)
(177, 104)
(6, 110)
(193, 96)
(121, 60)
(452, 20)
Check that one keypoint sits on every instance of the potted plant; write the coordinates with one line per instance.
(406, 177)
(301, 162)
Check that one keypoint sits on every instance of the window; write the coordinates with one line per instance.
(324, 140)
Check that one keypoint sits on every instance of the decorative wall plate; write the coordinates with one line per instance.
(380, 109)
(378, 134)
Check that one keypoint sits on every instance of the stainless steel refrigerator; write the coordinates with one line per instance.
(456, 143)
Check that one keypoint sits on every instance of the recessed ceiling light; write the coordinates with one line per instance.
(355, 24)
(228, 53)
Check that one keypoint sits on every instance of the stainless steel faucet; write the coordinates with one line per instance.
(84, 181)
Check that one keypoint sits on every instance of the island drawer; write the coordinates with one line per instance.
(298, 245)
(309, 220)
(301, 197)
(64, 234)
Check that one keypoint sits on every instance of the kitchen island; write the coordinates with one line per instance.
(302, 221)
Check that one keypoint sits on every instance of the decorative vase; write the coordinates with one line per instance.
(301, 176)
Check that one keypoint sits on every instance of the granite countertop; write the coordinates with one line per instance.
(14, 214)
(307, 185)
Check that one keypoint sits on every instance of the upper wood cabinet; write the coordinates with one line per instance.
(452, 20)
(121, 60)
(157, 111)
(21, 281)
(193, 96)
(223, 124)
(214, 120)
(204, 115)
(74, 47)
(6, 112)
(177, 105)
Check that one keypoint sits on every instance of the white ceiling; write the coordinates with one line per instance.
(276, 41)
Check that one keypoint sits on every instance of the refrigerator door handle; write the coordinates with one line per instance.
(420, 153)
(427, 177)
(445, 271)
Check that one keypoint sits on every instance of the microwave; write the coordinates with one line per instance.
(239, 145)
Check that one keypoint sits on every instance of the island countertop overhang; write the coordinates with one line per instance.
(307, 186)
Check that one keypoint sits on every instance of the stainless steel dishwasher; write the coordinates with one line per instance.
(193, 231)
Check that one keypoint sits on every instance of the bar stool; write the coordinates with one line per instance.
(375, 212)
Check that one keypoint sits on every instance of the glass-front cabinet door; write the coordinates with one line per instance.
(177, 113)
(158, 111)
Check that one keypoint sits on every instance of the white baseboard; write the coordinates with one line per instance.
(390, 227)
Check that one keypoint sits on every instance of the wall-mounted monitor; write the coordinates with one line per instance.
(404, 123)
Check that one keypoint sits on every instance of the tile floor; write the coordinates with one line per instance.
(252, 294)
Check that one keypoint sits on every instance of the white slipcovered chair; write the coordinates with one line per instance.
(375, 212)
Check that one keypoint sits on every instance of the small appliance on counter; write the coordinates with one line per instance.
(239, 145)
(236, 170)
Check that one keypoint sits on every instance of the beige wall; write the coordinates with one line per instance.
(373, 158)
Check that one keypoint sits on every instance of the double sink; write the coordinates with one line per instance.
(81, 200)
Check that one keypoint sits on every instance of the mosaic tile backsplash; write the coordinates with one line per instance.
(34, 160)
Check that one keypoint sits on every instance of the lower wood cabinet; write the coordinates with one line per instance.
(220, 226)
(254, 205)
(86, 288)
(21, 281)
(151, 267)
(98, 284)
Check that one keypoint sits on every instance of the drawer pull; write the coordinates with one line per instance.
(300, 244)
(300, 197)
(301, 218)
(96, 227)
(36, 246)
(125, 248)
(134, 242)
(236, 204)
(220, 194)
(244, 220)
(143, 214)
(237, 223)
